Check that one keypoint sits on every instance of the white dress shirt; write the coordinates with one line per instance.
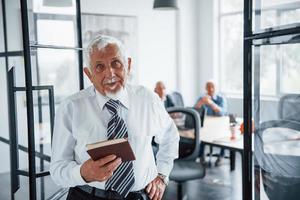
(82, 119)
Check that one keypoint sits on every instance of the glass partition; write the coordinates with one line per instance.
(51, 21)
(13, 25)
(55, 73)
(272, 14)
(1, 30)
(277, 120)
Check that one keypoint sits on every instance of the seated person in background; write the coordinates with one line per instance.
(160, 89)
(215, 105)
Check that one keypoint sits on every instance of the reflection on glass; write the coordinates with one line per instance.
(53, 22)
(279, 69)
(14, 25)
(64, 34)
(282, 141)
(269, 19)
(277, 136)
(231, 6)
(279, 12)
(290, 81)
(65, 7)
(42, 126)
(278, 154)
(268, 70)
(231, 52)
(58, 68)
(1, 30)
(3, 102)
(18, 63)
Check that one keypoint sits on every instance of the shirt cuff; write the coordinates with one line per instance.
(164, 169)
(77, 176)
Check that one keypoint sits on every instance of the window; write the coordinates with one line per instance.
(278, 73)
(231, 46)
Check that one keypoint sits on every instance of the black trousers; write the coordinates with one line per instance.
(77, 194)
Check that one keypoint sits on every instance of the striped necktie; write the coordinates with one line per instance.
(122, 181)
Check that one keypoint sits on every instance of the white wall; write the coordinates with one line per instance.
(206, 44)
(156, 37)
(188, 50)
(4, 148)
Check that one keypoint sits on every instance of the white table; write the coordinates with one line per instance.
(216, 132)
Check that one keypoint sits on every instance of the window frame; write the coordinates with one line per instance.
(278, 60)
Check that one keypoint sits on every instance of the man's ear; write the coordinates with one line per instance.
(88, 73)
(129, 64)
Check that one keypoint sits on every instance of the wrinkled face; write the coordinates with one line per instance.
(160, 89)
(210, 88)
(107, 72)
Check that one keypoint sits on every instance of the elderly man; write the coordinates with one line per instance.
(160, 90)
(109, 109)
(215, 105)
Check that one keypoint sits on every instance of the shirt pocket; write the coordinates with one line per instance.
(89, 134)
(86, 135)
(141, 145)
(142, 127)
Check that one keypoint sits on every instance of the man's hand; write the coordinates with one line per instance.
(99, 170)
(156, 189)
(209, 102)
(206, 99)
(203, 101)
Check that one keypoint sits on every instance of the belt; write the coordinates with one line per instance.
(108, 194)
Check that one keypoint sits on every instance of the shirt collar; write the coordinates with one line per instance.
(122, 96)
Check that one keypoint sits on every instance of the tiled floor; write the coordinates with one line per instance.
(218, 184)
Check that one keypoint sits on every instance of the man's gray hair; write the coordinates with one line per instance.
(213, 81)
(100, 42)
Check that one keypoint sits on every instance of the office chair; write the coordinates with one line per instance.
(280, 172)
(289, 107)
(177, 99)
(185, 167)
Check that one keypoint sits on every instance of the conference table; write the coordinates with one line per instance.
(216, 133)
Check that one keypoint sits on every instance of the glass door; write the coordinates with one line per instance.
(41, 53)
(272, 87)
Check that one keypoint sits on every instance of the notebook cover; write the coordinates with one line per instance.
(122, 150)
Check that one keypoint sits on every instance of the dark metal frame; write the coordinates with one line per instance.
(247, 104)
(14, 146)
(29, 88)
(252, 41)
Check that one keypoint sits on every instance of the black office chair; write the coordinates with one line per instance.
(177, 99)
(280, 173)
(289, 107)
(185, 167)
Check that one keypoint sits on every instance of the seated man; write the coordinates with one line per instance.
(215, 105)
(160, 89)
